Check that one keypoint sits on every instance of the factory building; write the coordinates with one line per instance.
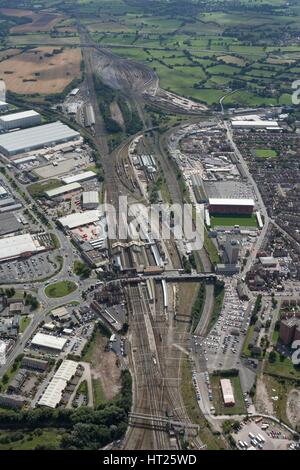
(34, 363)
(84, 176)
(227, 392)
(22, 120)
(50, 343)
(90, 200)
(36, 138)
(231, 206)
(12, 401)
(19, 246)
(63, 190)
(79, 219)
(53, 394)
(255, 124)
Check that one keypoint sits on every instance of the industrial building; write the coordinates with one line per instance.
(19, 246)
(52, 343)
(289, 330)
(61, 314)
(22, 119)
(231, 206)
(84, 176)
(52, 396)
(227, 392)
(255, 124)
(36, 137)
(34, 363)
(9, 224)
(90, 199)
(21, 161)
(79, 219)
(62, 190)
(12, 401)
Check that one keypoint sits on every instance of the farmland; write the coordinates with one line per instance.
(210, 53)
(42, 70)
(42, 21)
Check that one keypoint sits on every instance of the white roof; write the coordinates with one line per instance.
(48, 341)
(11, 247)
(90, 197)
(227, 391)
(63, 189)
(36, 137)
(53, 393)
(230, 202)
(29, 158)
(21, 115)
(80, 218)
(85, 175)
(258, 123)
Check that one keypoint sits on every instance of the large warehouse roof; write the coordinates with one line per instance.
(90, 197)
(259, 124)
(80, 218)
(230, 202)
(227, 392)
(12, 247)
(53, 393)
(85, 175)
(36, 137)
(21, 115)
(62, 189)
(48, 341)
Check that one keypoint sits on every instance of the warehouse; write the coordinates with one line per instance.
(227, 392)
(231, 206)
(53, 394)
(22, 119)
(36, 137)
(48, 342)
(62, 190)
(84, 176)
(79, 219)
(18, 246)
(90, 200)
(255, 124)
(9, 224)
(23, 160)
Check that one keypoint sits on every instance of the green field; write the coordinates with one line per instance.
(60, 289)
(265, 153)
(25, 321)
(30, 440)
(282, 367)
(231, 221)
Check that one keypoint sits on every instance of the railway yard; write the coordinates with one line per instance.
(171, 342)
